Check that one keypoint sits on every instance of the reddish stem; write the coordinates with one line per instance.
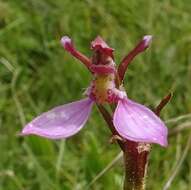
(135, 161)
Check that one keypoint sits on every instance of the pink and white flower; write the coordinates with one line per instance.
(131, 120)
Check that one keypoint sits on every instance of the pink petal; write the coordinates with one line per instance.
(62, 121)
(100, 44)
(137, 123)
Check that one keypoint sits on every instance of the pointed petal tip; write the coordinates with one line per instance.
(165, 145)
(20, 134)
(161, 140)
(26, 130)
(164, 142)
(32, 130)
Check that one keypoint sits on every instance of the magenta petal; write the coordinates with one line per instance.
(62, 121)
(137, 123)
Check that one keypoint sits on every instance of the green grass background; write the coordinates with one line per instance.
(36, 74)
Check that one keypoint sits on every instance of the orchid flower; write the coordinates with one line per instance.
(132, 121)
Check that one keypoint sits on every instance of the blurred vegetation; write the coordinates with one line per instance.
(36, 74)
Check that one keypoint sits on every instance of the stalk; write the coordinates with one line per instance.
(135, 163)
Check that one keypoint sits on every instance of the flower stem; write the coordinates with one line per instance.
(135, 162)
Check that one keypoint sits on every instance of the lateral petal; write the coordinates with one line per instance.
(62, 121)
(137, 123)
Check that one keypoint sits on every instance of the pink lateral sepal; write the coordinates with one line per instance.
(62, 121)
(67, 43)
(136, 122)
(139, 48)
